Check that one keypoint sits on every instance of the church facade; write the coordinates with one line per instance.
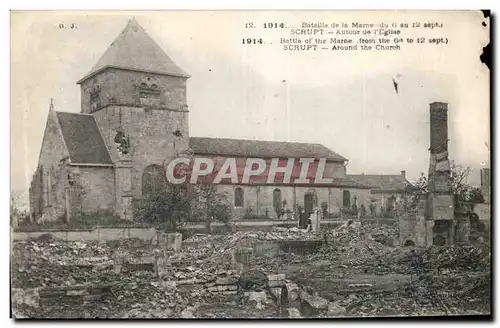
(133, 120)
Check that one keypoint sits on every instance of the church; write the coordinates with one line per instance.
(134, 119)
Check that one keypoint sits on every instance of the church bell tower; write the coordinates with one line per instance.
(137, 96)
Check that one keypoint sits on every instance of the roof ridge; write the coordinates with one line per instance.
(262, 148)
(87, 114)
(135, 49)
(258, 140)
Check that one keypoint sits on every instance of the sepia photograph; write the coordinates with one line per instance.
(250, 164)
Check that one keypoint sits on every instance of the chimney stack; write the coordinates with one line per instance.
(439, 127)
(403, 174)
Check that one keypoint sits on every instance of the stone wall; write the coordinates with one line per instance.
(486, 184)
(47, 192)
(121, 87)
(260, 198)
(105, 234)
(151, 135)
(98, 185)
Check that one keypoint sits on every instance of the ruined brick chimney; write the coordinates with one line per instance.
(439, 127)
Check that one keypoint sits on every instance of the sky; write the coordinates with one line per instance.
(344, 100)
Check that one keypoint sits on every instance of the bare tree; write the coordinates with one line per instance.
(460, 187)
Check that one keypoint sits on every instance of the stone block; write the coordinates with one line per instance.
(274, 277)
(312, 306)
(81, 235)
(276, 283)
(430, 232)
(266, 249)
(77, 292)
(442, 207)
(276, 292)
(106, 234)
(257, 299)
(230, 292)
(292, 291)
(240, 257)
(226, 281)
(463, 230)
(168, 285)
(169, 241)
(142, 233)
(335, 310)
(25, 296)
(441, 156)
(443, 166)
(440, 182)
(294, 313)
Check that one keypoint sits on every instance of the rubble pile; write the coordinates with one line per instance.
(87, 280)
(247, 238)
(430, 295)
(355, 273)
(459, 258)
(355, 244)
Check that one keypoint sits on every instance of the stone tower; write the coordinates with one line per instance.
(435, 221)
(441, 200)
(137, 95)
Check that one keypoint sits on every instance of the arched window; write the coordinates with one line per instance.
(153, 179)
(277, 198)
(238, 197)
(310, 201)
(346, 201)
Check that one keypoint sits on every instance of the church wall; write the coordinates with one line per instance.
(98, 189)
(151, 135)
(53, 157)
(121, 87)
(258, 198)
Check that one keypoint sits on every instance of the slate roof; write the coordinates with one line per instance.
(382, 182)
(83, 139)
(134, 49)
(261, 149)
(349, 183)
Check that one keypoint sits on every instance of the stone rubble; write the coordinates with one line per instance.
(130, 279)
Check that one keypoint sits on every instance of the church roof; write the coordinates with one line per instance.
(264, 149)
(83, 139)
(134, 49)
(383, 182)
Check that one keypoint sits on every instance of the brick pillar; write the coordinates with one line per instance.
(441, 200)
(439, 127)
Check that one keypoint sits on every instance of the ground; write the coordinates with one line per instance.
(353, 272)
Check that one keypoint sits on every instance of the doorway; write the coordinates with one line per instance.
(310, 202)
